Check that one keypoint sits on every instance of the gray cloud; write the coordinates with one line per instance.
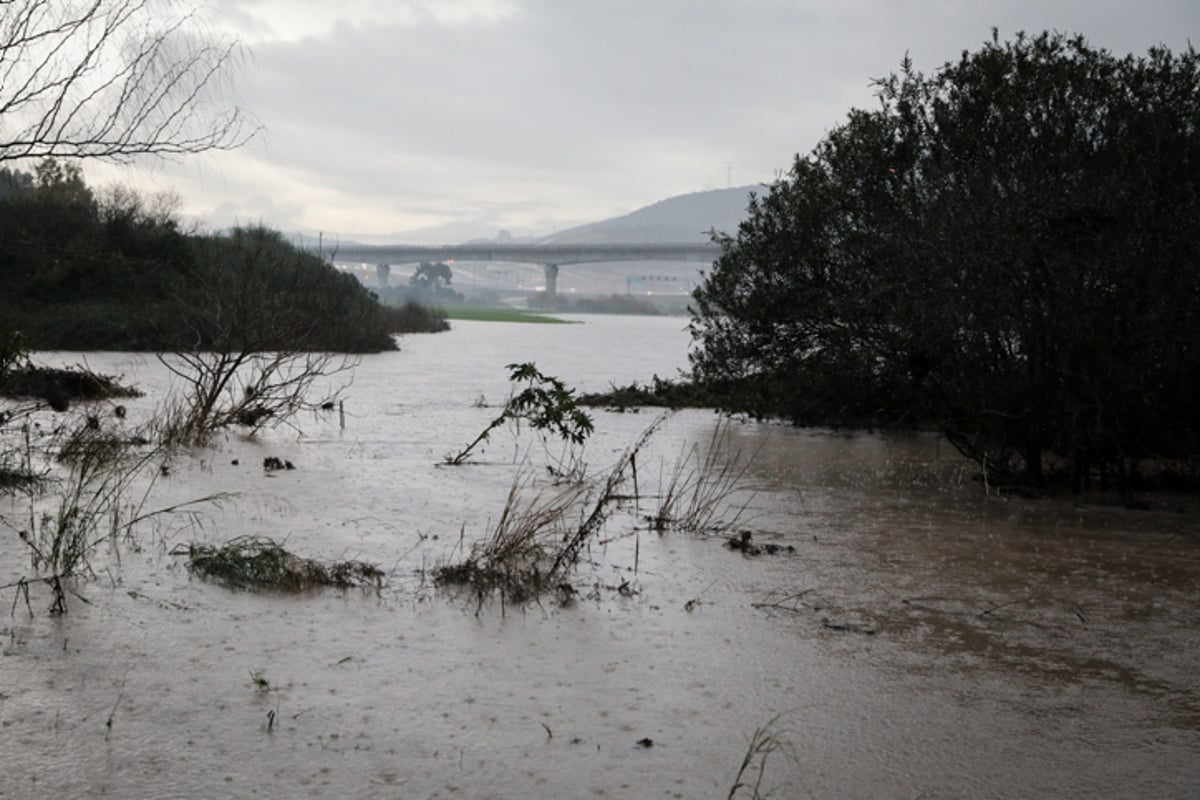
(403, 120)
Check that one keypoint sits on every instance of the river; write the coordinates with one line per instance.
(915, 635)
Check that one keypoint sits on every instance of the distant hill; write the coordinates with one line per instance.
(686, 218)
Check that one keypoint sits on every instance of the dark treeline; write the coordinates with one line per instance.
(1005, 251)
(84, 271)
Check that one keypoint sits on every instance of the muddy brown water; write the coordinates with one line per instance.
(922, 638)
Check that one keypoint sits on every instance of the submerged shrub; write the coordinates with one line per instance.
(255, 562)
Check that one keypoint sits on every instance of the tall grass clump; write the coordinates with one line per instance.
(540, 534)
(517, 559)
(699, 494)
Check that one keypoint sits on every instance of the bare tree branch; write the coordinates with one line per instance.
(113, 79)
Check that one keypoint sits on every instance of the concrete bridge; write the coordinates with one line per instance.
(550, 256)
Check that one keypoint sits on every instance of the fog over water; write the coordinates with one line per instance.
(920, 638)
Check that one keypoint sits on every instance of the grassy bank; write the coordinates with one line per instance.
(491, 314)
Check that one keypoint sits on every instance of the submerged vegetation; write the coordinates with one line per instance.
(660, 392)
(697, 494)
(538, 539)
(57, 387)
(95, 492)
(254, 562)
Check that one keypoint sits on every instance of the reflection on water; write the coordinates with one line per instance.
(923, 639)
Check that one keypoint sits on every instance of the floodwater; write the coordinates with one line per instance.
(921, 639)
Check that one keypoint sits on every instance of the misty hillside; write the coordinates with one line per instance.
(686, 218)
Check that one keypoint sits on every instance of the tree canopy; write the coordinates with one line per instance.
(83, 270)
(1005, 249)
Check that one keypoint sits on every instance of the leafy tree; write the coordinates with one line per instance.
(432, 282)
(1006, 249)
(111, 79)
(431, 277)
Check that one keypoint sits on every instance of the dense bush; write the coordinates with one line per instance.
(82, 272)
(1006, 249)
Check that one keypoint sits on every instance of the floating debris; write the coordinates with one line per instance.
(744, 542)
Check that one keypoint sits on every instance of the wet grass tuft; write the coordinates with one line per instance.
(519, 560)
(538, 539)
(765, 742)
(255, 562)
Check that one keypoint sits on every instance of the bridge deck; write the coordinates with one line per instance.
(547, 254)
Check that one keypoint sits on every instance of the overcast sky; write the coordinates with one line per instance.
(440, 120)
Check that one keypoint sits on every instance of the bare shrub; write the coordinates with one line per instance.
(248, 389)
(113, 79)
(267, 328)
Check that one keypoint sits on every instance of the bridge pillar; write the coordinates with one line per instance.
(551, 283)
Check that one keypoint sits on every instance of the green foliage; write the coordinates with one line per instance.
(502, 314)
(254, 562)
(612, 304)
(430, 283)
(413, 317)
(113, 270)
(431, 277)
(1006, 249)
(14, 355)
(545, 404)
(254, 291)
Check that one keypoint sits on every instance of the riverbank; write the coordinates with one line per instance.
(498, 314)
